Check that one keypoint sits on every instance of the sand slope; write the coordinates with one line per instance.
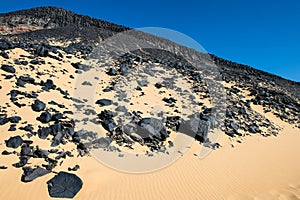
(258, 168)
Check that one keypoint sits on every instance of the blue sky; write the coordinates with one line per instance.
(264, 34)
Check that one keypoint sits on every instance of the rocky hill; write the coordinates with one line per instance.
(45, 54)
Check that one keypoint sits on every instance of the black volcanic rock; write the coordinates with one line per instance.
(40, 153)
(44, 132)
(124, 69)
(34, 62)
(38, 106)
(152, 128)
(112, 72)
(48, 84)
(75, 168)
(108, 124)
(4, 120)
(15, 119)
(42, 51)
(234, 126)
(104, 102)
(102, 142)
(106, 114)
(4, 54)
(27, 79)
(5, 44)
(14, 142)
(274, 94)
(8, 68)
(26, 150)
(64, 185)
(23, 161)
(81, 66)
(45, 117)
(29, 174)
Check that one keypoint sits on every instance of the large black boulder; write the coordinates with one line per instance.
(38, 106)
(8, 68)
(14, 142)
(64, 185)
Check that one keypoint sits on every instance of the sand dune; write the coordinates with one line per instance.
(256, 167)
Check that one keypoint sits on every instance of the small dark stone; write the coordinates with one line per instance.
(12, 127)
(38, 106)
(106, 114)
(57, 117)
(104, 102)
(26, 150)
(124, 69)
(48, 84)
(4, 54)
(152, 127)
(158, 85)
(8, 68)
(80, 66)
(23, 161)
(5, 153)
(20, 83)
(143, 83)
(14, 142)
(24, 62)
(42, 51)
(15, 119)
(45, 117)
(44, 132)
(57, 139)
(75, 168)
(112, 72)
(121, 109)
(169, 100)
(27, 79)
(234, 126)
(4, 121)
(252, 129)
(87, 83)
(39, 153)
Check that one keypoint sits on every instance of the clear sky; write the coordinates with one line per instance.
(264, 34)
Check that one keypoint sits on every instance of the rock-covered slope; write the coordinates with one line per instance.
(45, 50)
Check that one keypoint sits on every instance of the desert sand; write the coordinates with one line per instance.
(257, 168)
